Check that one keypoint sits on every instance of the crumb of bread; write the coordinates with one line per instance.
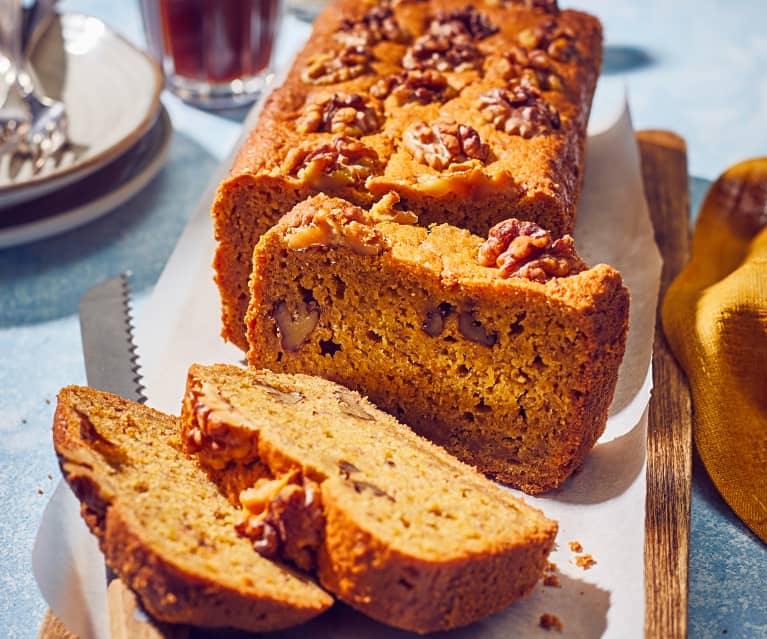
(551, 622)
(575, 546)
(585, 561)
(552, 581)
(551, 567)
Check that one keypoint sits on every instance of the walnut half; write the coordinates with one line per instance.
(341, 162)
(414, 85)
(441, 52)
(377, 25)
(525, 250)
(558, 42)
(330, 67)
(443, 143)
(283, 517)
(343, 113)
(325, 225)
(462, 22)
(519, 110)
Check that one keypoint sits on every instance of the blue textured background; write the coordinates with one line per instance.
(698, 68)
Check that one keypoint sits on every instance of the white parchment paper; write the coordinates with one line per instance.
(601, 506)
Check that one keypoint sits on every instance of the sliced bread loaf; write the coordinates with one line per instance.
(393, 524)
(163, 527)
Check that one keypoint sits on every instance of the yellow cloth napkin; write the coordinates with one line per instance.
(715, 318)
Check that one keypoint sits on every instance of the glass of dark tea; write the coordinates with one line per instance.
(214, 53)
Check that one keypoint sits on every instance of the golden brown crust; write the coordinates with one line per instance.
(89, 433)
(411, 536)
(531, 169)
(512, 375)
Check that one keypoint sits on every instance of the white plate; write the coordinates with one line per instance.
(111, 91)
(93, 196)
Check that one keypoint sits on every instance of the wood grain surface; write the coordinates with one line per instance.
(669, 440)
(669, 435)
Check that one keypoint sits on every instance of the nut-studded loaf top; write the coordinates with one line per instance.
(437, 98)
(471, 114)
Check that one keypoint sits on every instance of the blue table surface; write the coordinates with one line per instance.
(697, 67)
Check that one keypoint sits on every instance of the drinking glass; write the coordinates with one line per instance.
(214, 53)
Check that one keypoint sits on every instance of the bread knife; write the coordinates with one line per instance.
(111, 364)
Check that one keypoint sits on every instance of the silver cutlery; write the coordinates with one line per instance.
(33, 126)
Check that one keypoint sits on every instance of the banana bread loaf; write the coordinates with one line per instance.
(393, 524)
(504, 351)
(470, 112)
(163, 526)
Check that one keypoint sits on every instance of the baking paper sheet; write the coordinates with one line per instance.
(601, 507)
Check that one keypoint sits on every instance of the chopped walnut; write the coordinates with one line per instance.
(385, 210)
(472, 329)
(346, 114)
(558, 42)
(330, 67)
(525, 250)
(464, 22)
(550, 622)
(294, 326)
(434, 323)
(532, 68)
(585, 561)
(343, 161)
(415, 85)
(443, 143)
(349, 404)
(441, 52)
(376, 25)
(327, 225)
(283, 517)
(519, 110)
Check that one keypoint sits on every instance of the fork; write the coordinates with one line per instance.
(14, 115)
(45, 129)
(48, 127)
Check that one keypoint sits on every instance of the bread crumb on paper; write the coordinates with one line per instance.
(575, 546)
(551, 622)
(585, 561)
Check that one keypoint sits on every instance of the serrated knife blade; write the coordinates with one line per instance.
(111, 364)
(111, 361)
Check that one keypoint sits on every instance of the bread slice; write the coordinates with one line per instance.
(163, 527)
(394, 525)
(510, 374)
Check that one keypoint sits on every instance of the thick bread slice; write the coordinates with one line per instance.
(511, 375)
(408, 534)
(163, 527)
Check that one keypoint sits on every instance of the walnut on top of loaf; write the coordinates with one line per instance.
(525, 250)
(330, 223)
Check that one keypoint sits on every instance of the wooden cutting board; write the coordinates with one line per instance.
(669, 435)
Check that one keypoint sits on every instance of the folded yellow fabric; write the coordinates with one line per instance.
(715, 318)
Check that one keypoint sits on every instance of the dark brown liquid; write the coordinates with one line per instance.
(219, 40)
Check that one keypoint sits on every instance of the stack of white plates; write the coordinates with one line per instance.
(119, 132)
